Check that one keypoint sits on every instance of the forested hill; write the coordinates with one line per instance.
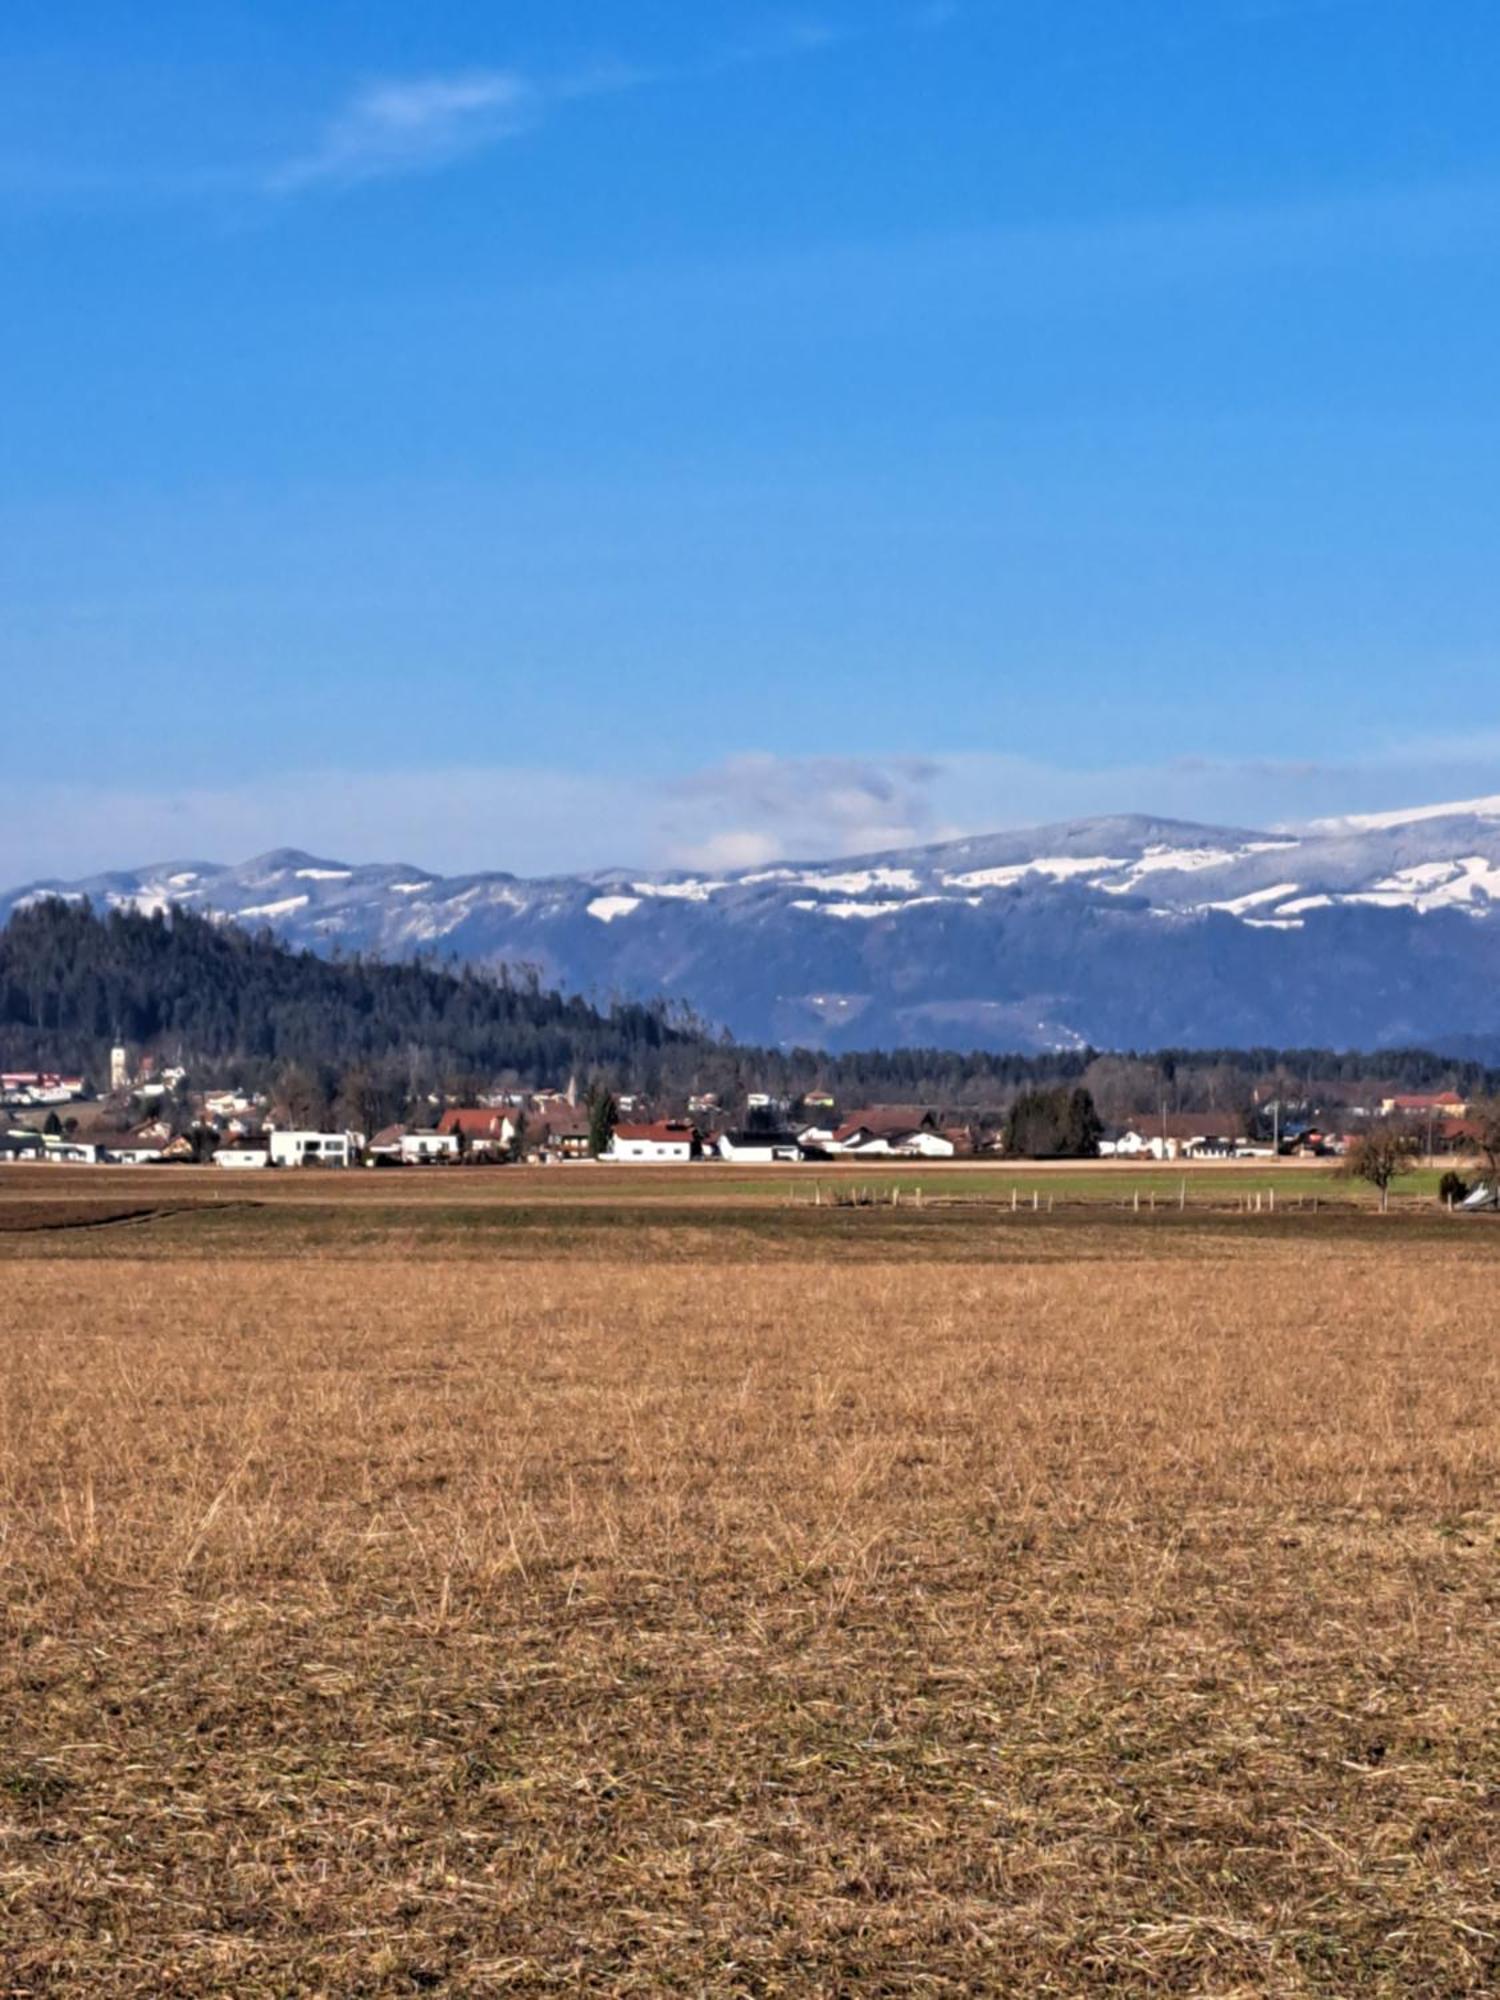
(221, 998)
(239, 1007)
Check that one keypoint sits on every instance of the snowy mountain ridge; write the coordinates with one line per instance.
(1014, 939)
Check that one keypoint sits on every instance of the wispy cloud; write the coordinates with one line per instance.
(757, 807)
(745, 812)
(412, 125)
(416, 124)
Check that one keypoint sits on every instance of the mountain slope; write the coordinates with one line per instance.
(72, 983)
(1117, 931)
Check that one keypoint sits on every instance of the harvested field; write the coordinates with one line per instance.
(513, 1594)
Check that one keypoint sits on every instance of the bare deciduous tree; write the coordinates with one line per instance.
(1378, 1155)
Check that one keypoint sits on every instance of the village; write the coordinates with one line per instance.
(150, 1115)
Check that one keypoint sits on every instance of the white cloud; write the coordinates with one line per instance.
(764, 807)
(409, 125)
(402, 126)
(746, 812)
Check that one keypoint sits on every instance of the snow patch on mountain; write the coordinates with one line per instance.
(1253, 899)
(1117, 926)
(1486, 808)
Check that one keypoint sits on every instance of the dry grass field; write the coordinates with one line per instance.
(414, 1587)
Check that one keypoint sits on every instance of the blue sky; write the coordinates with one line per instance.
(547, 436)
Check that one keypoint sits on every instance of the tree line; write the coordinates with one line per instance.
(333, 1033)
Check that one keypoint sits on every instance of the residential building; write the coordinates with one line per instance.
(668, 1141)
(1436, 1104)
(312, 1149)
(63, 1152)
(485, 1133)
(759, 1148)
(133, 1151)
(425, 1149)
(563, 1134)
(888, 1132)
(1176, 1135)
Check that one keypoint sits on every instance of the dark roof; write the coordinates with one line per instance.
(887, 1118)
(1187, 1125)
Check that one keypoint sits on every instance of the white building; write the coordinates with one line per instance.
(119, 1069)
(664, 1143)
(230, 1103)
(312, 1149)
(241, 1157)
(135, 1152)
(71, 1152)
(866, 1141)
(421, 1149)
(759, 1148)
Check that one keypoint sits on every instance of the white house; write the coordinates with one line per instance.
(864, 1141)
(312, 1149)
(241, 1156)
(925, 1144)
(135, 1152)
(819, 1136)
(230, 1103)
(421, 1149)
(759, 1148)
(667, 1142)
(71, 1152)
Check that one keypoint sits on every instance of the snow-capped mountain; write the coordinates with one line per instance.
(1125, 931)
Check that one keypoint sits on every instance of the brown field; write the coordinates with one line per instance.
(541, 1584)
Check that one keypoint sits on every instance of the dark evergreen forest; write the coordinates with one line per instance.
(237, 1007)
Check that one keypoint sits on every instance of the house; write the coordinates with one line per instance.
(312, 1149)
(242, 1155)
(481, 1133)
(19, 1146)
(230, 1104)
(925, 1144)
(817, 1137)
(61, 1152)
(425, 1149)
(1439, 1104)
(134, 1150)
(30, 1086)
(1177, 1135)
(889, 1132)
(667, 1141)
(759, 1148)
(563, 1134)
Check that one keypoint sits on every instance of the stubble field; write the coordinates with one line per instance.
(491, 1584)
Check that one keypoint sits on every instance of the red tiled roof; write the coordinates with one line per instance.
(473, 1124)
